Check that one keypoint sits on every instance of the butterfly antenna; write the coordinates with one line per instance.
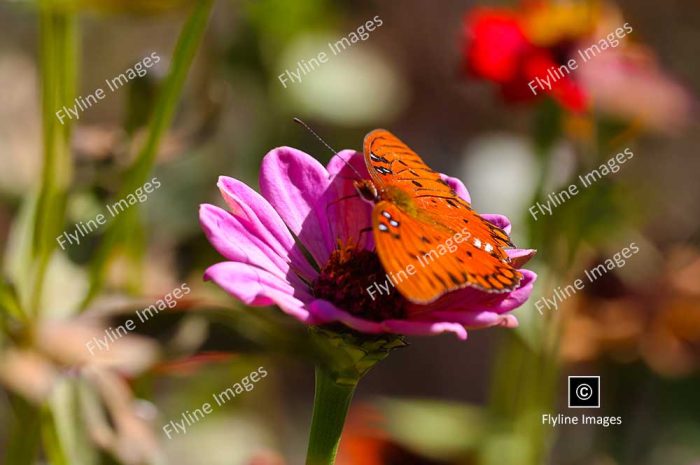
(298, 121)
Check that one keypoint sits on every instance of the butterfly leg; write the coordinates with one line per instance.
(363, 231)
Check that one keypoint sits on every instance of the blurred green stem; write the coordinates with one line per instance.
(331, 403)
(188, 43)
(53, 448)
(58, 52)
(524, 380)
(524, 386)
(23, 443)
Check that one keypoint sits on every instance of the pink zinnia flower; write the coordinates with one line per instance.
(306, 246)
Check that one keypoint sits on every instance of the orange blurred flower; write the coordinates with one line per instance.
(366, 442)
(658, 322)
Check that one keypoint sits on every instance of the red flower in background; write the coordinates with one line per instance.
(519, 49)
(499, 47)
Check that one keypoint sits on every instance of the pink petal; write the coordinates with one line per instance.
(294, 183)
(347, 212)
(458, 187)
(264, 222)
(498, 220)
(231, 237)
(325, 312)
(515, 299)
(470, 300)
(259, 288)
(425, 328)
(477, 320)
(519, 257)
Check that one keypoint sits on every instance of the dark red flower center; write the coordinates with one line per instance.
(351, 280)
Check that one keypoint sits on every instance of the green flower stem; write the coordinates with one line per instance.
(188, 43)
(331, 403)
(344, 357)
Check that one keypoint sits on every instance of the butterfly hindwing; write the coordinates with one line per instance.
(456, 213)
(425, 262)
(428, 238)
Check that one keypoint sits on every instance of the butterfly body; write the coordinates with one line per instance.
(424, 232)
(392, 194)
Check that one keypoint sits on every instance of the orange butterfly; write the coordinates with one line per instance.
(425, 234)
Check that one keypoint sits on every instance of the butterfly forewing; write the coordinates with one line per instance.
(391, 162)
(428, 238)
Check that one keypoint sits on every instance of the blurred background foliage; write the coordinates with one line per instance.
(438, 401)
